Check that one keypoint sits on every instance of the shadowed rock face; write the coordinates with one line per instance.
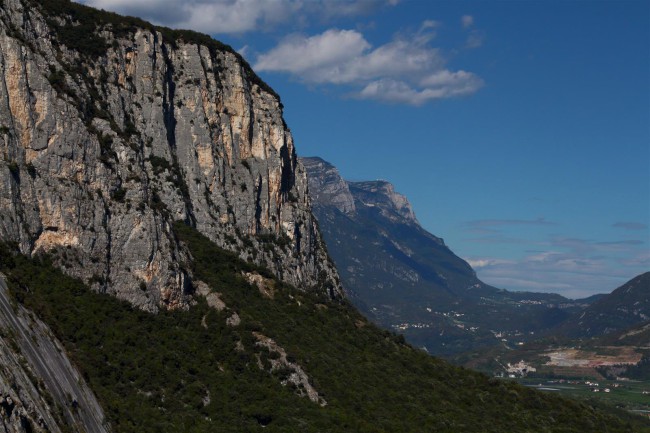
(104, 148)
(327, 186)
(34, 364)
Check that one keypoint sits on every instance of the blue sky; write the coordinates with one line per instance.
(519, 130)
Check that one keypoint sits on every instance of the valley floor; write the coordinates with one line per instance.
(630, 395)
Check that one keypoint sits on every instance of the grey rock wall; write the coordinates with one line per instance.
(100, 152)
(327, 187)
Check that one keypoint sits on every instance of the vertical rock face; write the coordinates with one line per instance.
(111, 130)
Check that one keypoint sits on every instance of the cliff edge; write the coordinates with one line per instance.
(111, 129)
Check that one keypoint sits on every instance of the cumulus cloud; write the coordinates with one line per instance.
(405, 70)
(209, 16)
(388, 90)
(328, 57)
(237, 16)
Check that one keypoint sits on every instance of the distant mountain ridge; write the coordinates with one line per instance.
(407, 279)
(610, 337)
(625, 307)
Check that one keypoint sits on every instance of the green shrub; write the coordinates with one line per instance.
(159, 164)
(118, 194)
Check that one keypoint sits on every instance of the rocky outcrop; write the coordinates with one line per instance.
(112, 129)
(40, 390)
(382, 195)
(326, 186)
(289, 372)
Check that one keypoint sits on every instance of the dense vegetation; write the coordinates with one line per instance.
(182, 371)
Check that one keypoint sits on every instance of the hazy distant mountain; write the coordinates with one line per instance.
(610, 337)
(407, 279)
(626, 306)
(637, 335)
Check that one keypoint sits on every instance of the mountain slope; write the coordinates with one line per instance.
(262, 354)
(625, 307)
(40, 389)
(111, 129)
(408, 280)
(597, 341)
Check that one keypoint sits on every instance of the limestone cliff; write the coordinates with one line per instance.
(327, 187)
(112, 129)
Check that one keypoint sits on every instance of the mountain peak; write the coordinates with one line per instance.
(326, 186)
(382, 194)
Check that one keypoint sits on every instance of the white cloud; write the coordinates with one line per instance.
(552, 271)
(405, 70)
(388, 90)
(483, 263)
(243, 50)
(331, 9)
(323, 58)
(210, 16)
(237, 16)
(569, 265)
(467, 21)
(573, 268)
